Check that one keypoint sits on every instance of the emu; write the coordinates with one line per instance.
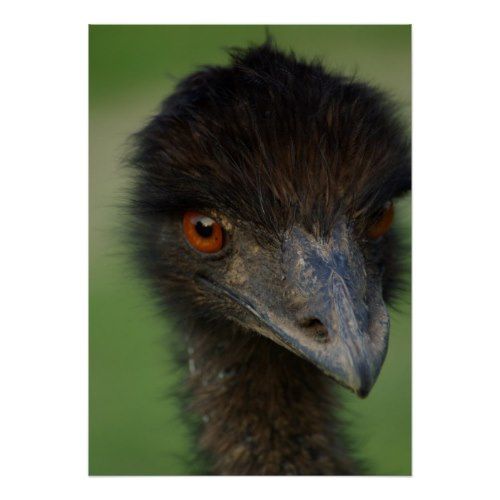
(262, 207)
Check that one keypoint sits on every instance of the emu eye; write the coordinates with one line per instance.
(383, 223)
(202, 232)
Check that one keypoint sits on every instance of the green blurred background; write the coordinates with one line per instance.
(135, 427)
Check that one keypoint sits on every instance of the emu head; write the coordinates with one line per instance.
(264, 197)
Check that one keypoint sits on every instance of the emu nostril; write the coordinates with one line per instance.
(315, 329)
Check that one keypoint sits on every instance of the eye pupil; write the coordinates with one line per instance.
(203, 229)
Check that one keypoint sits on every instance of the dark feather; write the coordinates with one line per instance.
(270, 141)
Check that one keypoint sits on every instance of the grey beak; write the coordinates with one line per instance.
(339, 320)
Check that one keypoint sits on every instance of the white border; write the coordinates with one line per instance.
(44, 249)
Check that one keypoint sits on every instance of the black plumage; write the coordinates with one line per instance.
(299, 169)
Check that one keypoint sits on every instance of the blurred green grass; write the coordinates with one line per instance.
(134, 428)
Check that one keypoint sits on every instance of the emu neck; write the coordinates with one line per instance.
(263, 409)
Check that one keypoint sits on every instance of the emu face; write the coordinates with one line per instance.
(318, 297)
(264, 196)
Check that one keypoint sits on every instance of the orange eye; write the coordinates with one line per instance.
(202, 232)
(383, 223)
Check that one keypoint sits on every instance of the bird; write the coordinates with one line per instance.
(262, 202)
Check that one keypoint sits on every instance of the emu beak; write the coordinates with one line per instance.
(334, 336)
(340, 322)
